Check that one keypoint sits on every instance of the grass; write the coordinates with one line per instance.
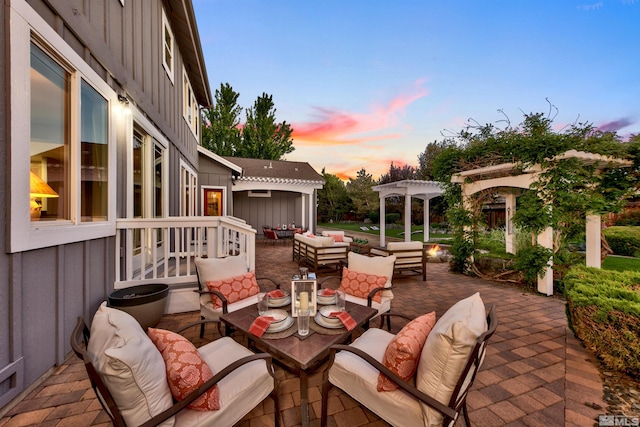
(619, 263)
(389, 232)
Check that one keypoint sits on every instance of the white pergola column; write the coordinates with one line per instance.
(303, 210)
(510, 235)
(407, 218)
(383, 226)
(425, 220)
(545, 281)
(594, 241)
(310, 204)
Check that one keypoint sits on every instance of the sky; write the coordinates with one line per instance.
(364, 83)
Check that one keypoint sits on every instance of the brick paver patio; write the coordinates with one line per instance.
(535, 374)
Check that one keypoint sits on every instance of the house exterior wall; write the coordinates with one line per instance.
(282, 207)
(211, 173)
(43, 290)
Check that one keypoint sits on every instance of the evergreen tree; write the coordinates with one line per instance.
(363, 198)
(221, 123)
(262, 137)
(333, 201)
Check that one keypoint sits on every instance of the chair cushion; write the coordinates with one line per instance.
(403, 352)
(240, 391)
(446, 351)
(234, 288)
(361, 284)
(380, 266)
(359, 379)
(186, 370)
(219, 268)
(337, 237)
(130, 366)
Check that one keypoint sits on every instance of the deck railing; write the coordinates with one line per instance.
(162, 250)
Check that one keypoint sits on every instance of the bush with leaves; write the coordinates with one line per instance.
(624, 241)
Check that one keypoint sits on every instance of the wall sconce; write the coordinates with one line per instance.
(124, 104)
(38, 189)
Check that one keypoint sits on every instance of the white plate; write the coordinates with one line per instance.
(325, 299)
(278, 315)
(326, 313)
(320, 320)
(279, 302)
(280, 326)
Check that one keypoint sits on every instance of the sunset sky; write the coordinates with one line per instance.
(365, 83)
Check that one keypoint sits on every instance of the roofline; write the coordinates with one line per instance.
(213, 156)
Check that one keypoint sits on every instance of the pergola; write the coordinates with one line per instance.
(408, 188)
(508, 179)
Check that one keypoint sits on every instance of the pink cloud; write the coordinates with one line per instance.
(335, 127)
(615, 125)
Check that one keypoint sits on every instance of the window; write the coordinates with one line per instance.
(259, 193)
(190, 110)
(167, 46)
(61, 147)
(189, 188)
(213, 201)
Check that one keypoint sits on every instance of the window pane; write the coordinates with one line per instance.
(94, 154)
(49, 139)
(138, 174)
(157, 190)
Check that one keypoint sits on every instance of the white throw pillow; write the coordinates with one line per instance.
(379, 266)
(210, 269)
(446, 351)
(130, 365)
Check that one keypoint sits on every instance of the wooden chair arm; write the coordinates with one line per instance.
(177, 407)
(273, 281)
(413, 391)
(374, 292)
(225, 303)
(327, 279)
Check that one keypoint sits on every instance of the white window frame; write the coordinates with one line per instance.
(190, 107)
(259, 193)
(26, 25)
(168, 67)
(188, 181)
(156, 137)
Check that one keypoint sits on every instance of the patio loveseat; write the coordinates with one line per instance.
(410, 256)
(319, 251)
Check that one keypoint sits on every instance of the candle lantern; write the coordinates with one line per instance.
(303, 294)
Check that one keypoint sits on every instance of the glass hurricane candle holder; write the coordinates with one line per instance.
(303, 295)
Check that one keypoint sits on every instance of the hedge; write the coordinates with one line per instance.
(623, 241)
(604, 312)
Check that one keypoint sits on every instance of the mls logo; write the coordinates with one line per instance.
(617, 420)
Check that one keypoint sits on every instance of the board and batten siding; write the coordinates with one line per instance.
(43, 291)
(213, 174)
(283, 207)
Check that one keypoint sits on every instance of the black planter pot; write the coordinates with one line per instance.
(146, 303)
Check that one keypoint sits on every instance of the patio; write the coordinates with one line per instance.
(536, 372)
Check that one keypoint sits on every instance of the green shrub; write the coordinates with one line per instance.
(392, 218)
(604, 312)
(623, 241)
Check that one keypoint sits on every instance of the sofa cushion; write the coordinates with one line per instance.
(446, 351)
(186, 370)
(130, 366)
(234, 288)
(403, 352)
(361, 284)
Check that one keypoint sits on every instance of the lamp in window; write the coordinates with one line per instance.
(38, 189)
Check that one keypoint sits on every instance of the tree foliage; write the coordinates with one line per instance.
(398, 173)
(261, 137)
(363, 199)
(333, 201)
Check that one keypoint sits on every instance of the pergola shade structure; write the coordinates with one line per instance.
(408, 188)
(508, 179)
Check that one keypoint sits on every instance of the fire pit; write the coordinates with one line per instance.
(438, 253)
(146, 303)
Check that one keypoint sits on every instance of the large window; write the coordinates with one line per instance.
(189, 188)
(167, 46)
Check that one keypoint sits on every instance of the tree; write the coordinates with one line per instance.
(262, 137)
(221, 124)
(363, 198)
(427, 157)
(333, 201)
(398, 173)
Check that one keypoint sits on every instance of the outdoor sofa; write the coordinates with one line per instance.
(319, 251)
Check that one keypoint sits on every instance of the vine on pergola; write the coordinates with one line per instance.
(564, 192)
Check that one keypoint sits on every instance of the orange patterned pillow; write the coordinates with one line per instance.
(360, 284)
(403, 352)
(337, 237)
(186, 370)
(234, 288)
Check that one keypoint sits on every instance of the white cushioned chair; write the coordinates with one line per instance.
(379, 266)
(128, 374)
(210, 269)
(410, 256)
(451, 356)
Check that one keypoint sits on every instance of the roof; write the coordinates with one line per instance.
(185, 30)
(213, 156)
(411, 187)
(260, 170)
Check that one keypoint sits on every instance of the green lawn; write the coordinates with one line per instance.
(619, 263)
(416, 231)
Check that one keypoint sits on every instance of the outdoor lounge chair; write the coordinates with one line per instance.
(215, 269)
(446, 368)
(129, 376)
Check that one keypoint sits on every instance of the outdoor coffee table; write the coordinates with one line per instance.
(300, 355)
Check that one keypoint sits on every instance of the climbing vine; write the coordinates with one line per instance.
(565, 191)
